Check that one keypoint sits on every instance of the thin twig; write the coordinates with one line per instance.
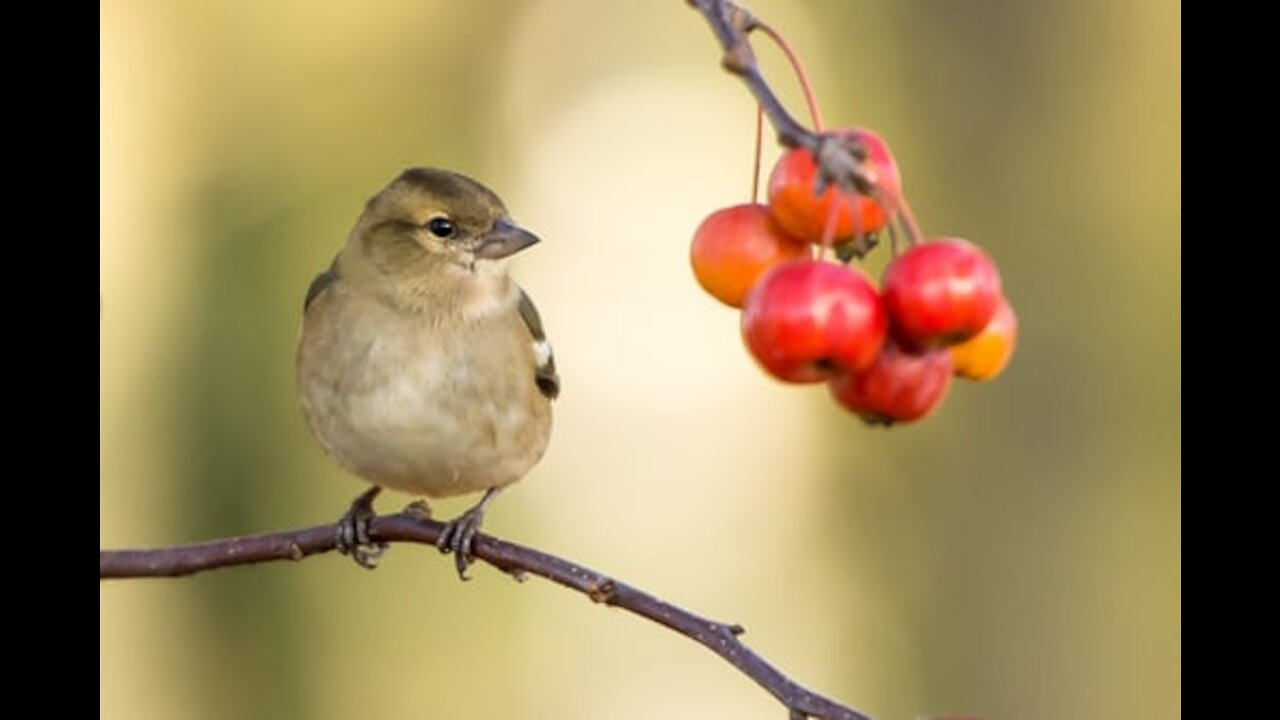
(839, 158)
(517, 560)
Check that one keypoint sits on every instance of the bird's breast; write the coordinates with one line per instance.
(419, 403)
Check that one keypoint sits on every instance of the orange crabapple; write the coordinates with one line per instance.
(985, 355)
(803, 212)
(735, 246)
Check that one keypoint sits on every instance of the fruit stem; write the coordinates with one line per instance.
(755, 169)
(815, 115)
(909, 224)
(829, 229)
(828, 232)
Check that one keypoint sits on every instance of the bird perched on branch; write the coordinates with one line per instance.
(422, 366)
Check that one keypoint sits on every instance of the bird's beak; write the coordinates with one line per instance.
(505, 239)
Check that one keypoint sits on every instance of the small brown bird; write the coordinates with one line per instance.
(422, 366)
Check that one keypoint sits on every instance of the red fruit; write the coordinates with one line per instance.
(806, 320)
(801, 211)
(985, 355)
(734, 246)
(899, 387)
(941, 292)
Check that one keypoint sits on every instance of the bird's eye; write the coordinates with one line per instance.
(441, 227)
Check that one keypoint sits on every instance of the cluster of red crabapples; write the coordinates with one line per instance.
(887, 353)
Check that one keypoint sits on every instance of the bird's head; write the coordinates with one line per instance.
(432, 232)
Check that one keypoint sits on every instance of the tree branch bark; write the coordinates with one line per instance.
(517, 560)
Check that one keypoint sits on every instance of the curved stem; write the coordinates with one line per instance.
(810, 98)
(755, 167)
(909, 224)
(829, 228)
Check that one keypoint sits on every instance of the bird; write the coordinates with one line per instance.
(421, 365)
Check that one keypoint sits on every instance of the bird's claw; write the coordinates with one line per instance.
(352, 532)
(458, 536)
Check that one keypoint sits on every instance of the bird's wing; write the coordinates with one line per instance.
(545, 373)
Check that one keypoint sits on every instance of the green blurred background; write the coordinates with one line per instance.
(1016, 556)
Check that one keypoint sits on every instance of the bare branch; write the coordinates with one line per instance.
(517, 560)
(839, 158)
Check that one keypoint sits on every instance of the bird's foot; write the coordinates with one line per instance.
(460, 532)
(353, 531)
(457, 537)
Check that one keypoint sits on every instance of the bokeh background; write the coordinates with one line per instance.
(1016, 556)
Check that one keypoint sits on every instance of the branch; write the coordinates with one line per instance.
(517, 560)
(839, 159)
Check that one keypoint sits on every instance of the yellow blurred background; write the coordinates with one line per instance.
(1018, 555)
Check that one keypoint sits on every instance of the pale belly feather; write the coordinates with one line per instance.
(405, 410)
